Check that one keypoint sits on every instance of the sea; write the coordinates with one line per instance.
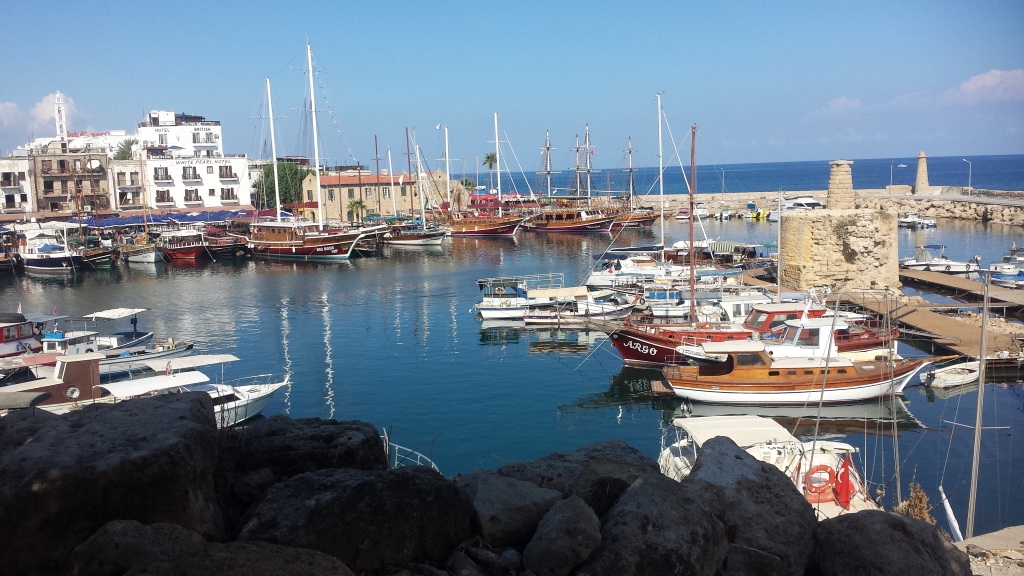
(394, 341)
(1005, 172)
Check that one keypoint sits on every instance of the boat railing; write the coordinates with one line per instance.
(529, 281)
(399, 456)
(257, 380)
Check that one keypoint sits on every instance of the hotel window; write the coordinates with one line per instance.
(228, 194)
(160, 174)
(163, 196)
(192, 195)
(227, 173)
(213, 191)
(195, 138)
(330, 194)
(209, 169)
(351, 193)
(189, 173)
(162, 138)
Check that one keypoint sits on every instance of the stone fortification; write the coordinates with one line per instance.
(840, 185)
(921, 185)
(844, 249)
(935, 207)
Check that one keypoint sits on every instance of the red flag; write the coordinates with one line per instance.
(844, 486)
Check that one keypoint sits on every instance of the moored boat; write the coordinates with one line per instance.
(570, 221)
(749, 375)
(484, 225)
(924, 259)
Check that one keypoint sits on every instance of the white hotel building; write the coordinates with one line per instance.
(184, 166)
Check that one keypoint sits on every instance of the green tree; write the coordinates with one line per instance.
(124, 149)
(490, 160)
(355, 207)
(290, 177)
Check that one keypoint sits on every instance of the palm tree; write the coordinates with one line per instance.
(490, 160)
(356, 206)
(124, 149)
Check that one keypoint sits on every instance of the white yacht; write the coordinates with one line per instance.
(925, 259)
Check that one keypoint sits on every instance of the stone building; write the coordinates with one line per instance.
(382, 194)
(840, 247)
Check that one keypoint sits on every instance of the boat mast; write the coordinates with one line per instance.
(316, 141)
(376, 162)
(419, 188)
(629, 184)
(408, 162)
(497, 159)
(977, 417)
(579, 173)
(391, 174)
(273, 153)
(546, 152)
(447, 170)
(586, 152)
(661, 183)
(778, 248)
(693, 187)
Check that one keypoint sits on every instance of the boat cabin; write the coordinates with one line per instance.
(765, 319)
(286, 231)
(16, 335)
(76, 378)
(808, 338)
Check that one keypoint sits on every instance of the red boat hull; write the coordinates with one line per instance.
(185, 252)
(503, 230)
(640, 347)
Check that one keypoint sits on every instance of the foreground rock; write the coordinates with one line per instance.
(566, 536)
(126, 547)
(508, 509)
(368, 519)
(759, 505)
(883, 543)
(254, 458)
(64, 477)
(560, 470)
(658, 529)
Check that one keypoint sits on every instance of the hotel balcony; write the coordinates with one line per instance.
(15, 183)
(158, 177)
(191, 177)
(228, 176)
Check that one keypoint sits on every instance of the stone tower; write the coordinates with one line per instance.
(921, 182)
(58, 115)
(840, 185)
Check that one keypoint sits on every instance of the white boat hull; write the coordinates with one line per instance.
(253, 399)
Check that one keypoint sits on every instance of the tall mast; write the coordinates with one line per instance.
(629, 183)
(661, 183)
(419, 188)
(977, 416)
(408, 161)
(579, 176)
(273, 153)
(693, 187)
(586, 160)
(546, 152)
(391, 173)
(376, 160)
(778, 248)
(497, 159)
(447, 170)
(316, 141)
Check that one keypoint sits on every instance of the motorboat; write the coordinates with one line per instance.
(823, 471)
(750, 375)
(76, 382)
(700, 211)
(1011, 263)
(509, 297)
(915, 220)
(795, 204)
(581, 307)
(20, 333)
(45, 250)
(184, 244)
(925, 259)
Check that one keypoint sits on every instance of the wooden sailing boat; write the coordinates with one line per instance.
(142, 250)
(636, 217)
(404, 235)
(482, 223)
(289, 238)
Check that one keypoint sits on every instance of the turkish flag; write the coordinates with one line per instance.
(844, 485)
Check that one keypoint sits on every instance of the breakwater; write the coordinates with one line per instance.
(151, 486)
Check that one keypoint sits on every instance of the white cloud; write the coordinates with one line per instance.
(843, 104)
(10, 115)
(992, 86)
(41, 117)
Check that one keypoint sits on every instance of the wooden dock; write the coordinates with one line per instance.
(961, 287)
(948, 332)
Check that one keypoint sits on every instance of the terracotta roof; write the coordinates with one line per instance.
(365, 179)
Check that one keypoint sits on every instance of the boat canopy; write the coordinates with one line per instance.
(744, 430)
(115, 313)
(43, 317)
(187, 362)
(733, 346)
(27, 361)
(825, 322)
(141, 386)
(570, 292)
(19, 400)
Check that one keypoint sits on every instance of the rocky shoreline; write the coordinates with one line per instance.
(150, 486)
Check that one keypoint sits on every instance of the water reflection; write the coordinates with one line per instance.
(501, 332)
(563, 340)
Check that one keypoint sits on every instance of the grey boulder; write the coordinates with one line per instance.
(509, 509)
(560, 470)
(567, 535)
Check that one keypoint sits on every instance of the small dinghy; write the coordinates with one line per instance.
(954, 375)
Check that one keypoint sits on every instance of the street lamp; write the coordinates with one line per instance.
(969, 167)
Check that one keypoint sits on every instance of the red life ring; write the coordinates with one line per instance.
(813, 488)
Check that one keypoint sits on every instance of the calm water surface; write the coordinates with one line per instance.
(393, 341)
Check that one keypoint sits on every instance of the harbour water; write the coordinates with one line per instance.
(393, 341)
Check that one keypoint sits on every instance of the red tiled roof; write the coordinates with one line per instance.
(364, 180)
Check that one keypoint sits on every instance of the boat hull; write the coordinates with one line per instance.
(599, 224)
(61, 263)
(486, 227)
(640, 348)
(193, 252)
(255, 399)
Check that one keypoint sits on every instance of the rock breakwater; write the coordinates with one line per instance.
(151, 486)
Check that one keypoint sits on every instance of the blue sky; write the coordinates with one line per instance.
(764, 81)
